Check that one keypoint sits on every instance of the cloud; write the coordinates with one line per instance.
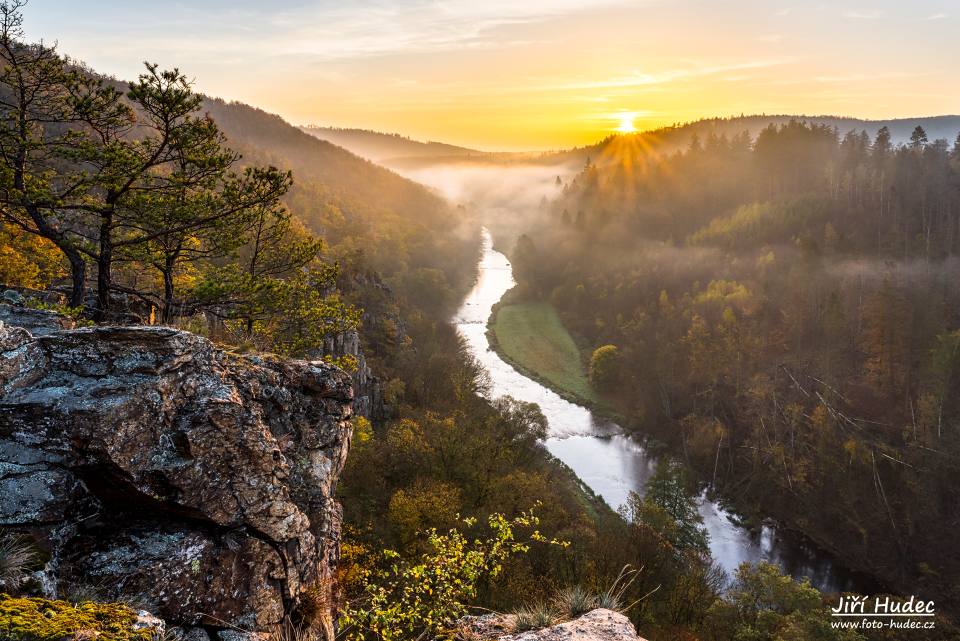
(322, 29)
(865, 15)
(368, 29)
(640, 79)
(770, 38)
(938, 16)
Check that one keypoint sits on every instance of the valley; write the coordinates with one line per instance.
(608, 460)
(578, 352)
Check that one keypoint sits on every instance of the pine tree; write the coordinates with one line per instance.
(669, 490)
(52, 124)
(918, 139)
(882, 145)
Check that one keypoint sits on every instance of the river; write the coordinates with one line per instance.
(612, 463)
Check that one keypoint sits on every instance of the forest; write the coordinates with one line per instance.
(781, 311)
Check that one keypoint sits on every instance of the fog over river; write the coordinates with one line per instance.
(613, 464)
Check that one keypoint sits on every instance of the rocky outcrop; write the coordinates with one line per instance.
(37, 321)
(596, 625)
(159, 470)
(367, 388)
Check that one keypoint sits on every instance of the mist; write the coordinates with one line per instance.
(507, 198)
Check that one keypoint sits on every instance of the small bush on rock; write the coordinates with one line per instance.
(613, 598)
(17, 558)
(535, 616)
(574, 601)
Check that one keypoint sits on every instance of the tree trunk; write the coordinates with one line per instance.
(78, 276)
(167, 291)
(78, 266)
(104, 262)
(103, 286)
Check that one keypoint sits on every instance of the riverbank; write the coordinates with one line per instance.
(613, 457)
(531, 338)
(522, 334)
(532, 334)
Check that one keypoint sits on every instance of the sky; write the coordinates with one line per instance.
(529, 74)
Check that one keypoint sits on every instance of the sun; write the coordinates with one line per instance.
(626, 123)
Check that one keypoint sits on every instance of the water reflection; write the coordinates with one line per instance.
(613, 464)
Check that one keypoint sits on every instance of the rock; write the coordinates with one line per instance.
(596, 625)
(367, 388)
(147, 620)
(187, 634)
(165, 472)
(487, 626)
(38, 322)
(238, 635)
(12, 297)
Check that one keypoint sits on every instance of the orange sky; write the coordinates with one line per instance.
(535, 74)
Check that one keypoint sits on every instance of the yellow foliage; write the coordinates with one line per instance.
(406, 438)
(424, 505)
(27, 260)
(725, 293)
(362, 430)
(820, 419)
(766, 260)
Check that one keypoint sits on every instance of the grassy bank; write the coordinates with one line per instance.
(531, 337)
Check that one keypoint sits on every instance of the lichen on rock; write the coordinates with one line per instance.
(167, 472)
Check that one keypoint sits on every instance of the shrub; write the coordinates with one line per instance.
(604, 371)
(35, 619)
(766, 604)
(292, 632)
(17, 557)
(534, 616)
(420, 598)
(574, 601)
(613, 597)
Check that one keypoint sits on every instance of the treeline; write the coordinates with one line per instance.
(376, 224)
(384, 146)
(784, 313)
(899, 201)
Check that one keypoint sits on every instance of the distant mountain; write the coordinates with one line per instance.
(406, 155)
(382, 147)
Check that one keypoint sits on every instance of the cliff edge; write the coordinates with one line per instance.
(159, 470)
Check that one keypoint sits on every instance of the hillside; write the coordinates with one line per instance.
(784, 317)
(350, 180)
(381, 147)
(403, 154)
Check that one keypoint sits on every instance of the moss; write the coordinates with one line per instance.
(35, 619)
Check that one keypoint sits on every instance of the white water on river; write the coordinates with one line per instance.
(613, 464)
